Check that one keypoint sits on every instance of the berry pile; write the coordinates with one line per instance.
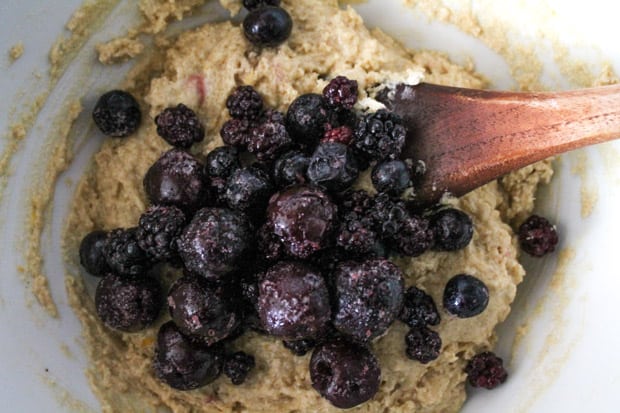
(271, 237)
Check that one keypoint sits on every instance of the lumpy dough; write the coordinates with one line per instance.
(199, 69)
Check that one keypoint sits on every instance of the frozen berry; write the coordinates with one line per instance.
(413, 238)
(92, 253)
(269, 138)
(299, 347)
(422, 344)
(215, 242)
(465, 296)
(290, 169)
(303, 217)
(248, 190)
(267, 26)
(117, 114)
(391, 177)
(369, 296)
(379, 135)
(158, 231)
(237, 132)
(537, 236)
(200, 309)
(486, 370)
(388, 215)
(333, 166)
(306, 119)
(347, 374)
(123, 253)
(180, 126)
(254, 4)
(181, 363)
(222, 161)
(341, 134)
(177, 178)
(453, 229)
(293, 301)
(128, 304)
(237, 366)
(418, 309)
(341, 92)
(244, 103)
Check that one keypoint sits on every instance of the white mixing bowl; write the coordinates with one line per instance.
(560, 341)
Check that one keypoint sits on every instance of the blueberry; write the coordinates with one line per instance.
(117, 114)
(248, 190)
(177, 178)
(92, 253)
(290, 169)
(293, 301)
(254, 4)
(222, 161)
(303, 218)
(267, 26)
(369, 296)
(306, 118)
(128, 304)
(181, 363)
(345, 373)
(453, 229)
(465, 296)
(333, 166)
(200, 309)
(216, 242)
(391, 177)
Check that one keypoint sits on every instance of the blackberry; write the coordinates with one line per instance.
(465, 296)
(453, 229)
(237, 132)
(486, 370)
(128, 304)
(379, 136)
(269, 139)
(369, 296)
(222, 161)
(248, 190)
(307, 118)
(216, 242)
(245, 103)
(123, 253)
(419, 309)
(355, 235)
(293, 301)
(391, 177)
(345, 373)
(92, 253)
(388, 215)
(341, 134)
(180, 126)
(290, 169)
(254, 4)
(303, 218)
(333, 166)
(117, 114)
(537, 236)
(267, 26)
(299, 347)
(177, 178)
(422, 344)
(270, 246)
(158, 230)
(341, 92)
(181, 363)
(413, 238)
(237, 366)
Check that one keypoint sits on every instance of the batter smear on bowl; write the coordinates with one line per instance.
(295, 276)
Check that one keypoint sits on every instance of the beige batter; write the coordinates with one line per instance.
(200, 69)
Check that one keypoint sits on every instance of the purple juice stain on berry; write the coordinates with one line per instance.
(465, 296)
(293, 301)
(180, 126)
(117, 114)
(182, 363)
(128, 304)
(345, 373)
(92, 253)
(486, 370)
(537, 236)
(303, 217)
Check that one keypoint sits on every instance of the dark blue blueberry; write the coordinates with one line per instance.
(92, 253)
(465, 296)
(391, 177)
(453, 229)
(333, 166)
(267, 26)
(117, 114)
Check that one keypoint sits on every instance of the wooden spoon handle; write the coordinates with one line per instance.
(469, 137)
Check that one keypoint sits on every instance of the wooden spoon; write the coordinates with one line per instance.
(468, 137)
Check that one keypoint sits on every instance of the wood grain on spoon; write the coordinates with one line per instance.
(469, 137)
